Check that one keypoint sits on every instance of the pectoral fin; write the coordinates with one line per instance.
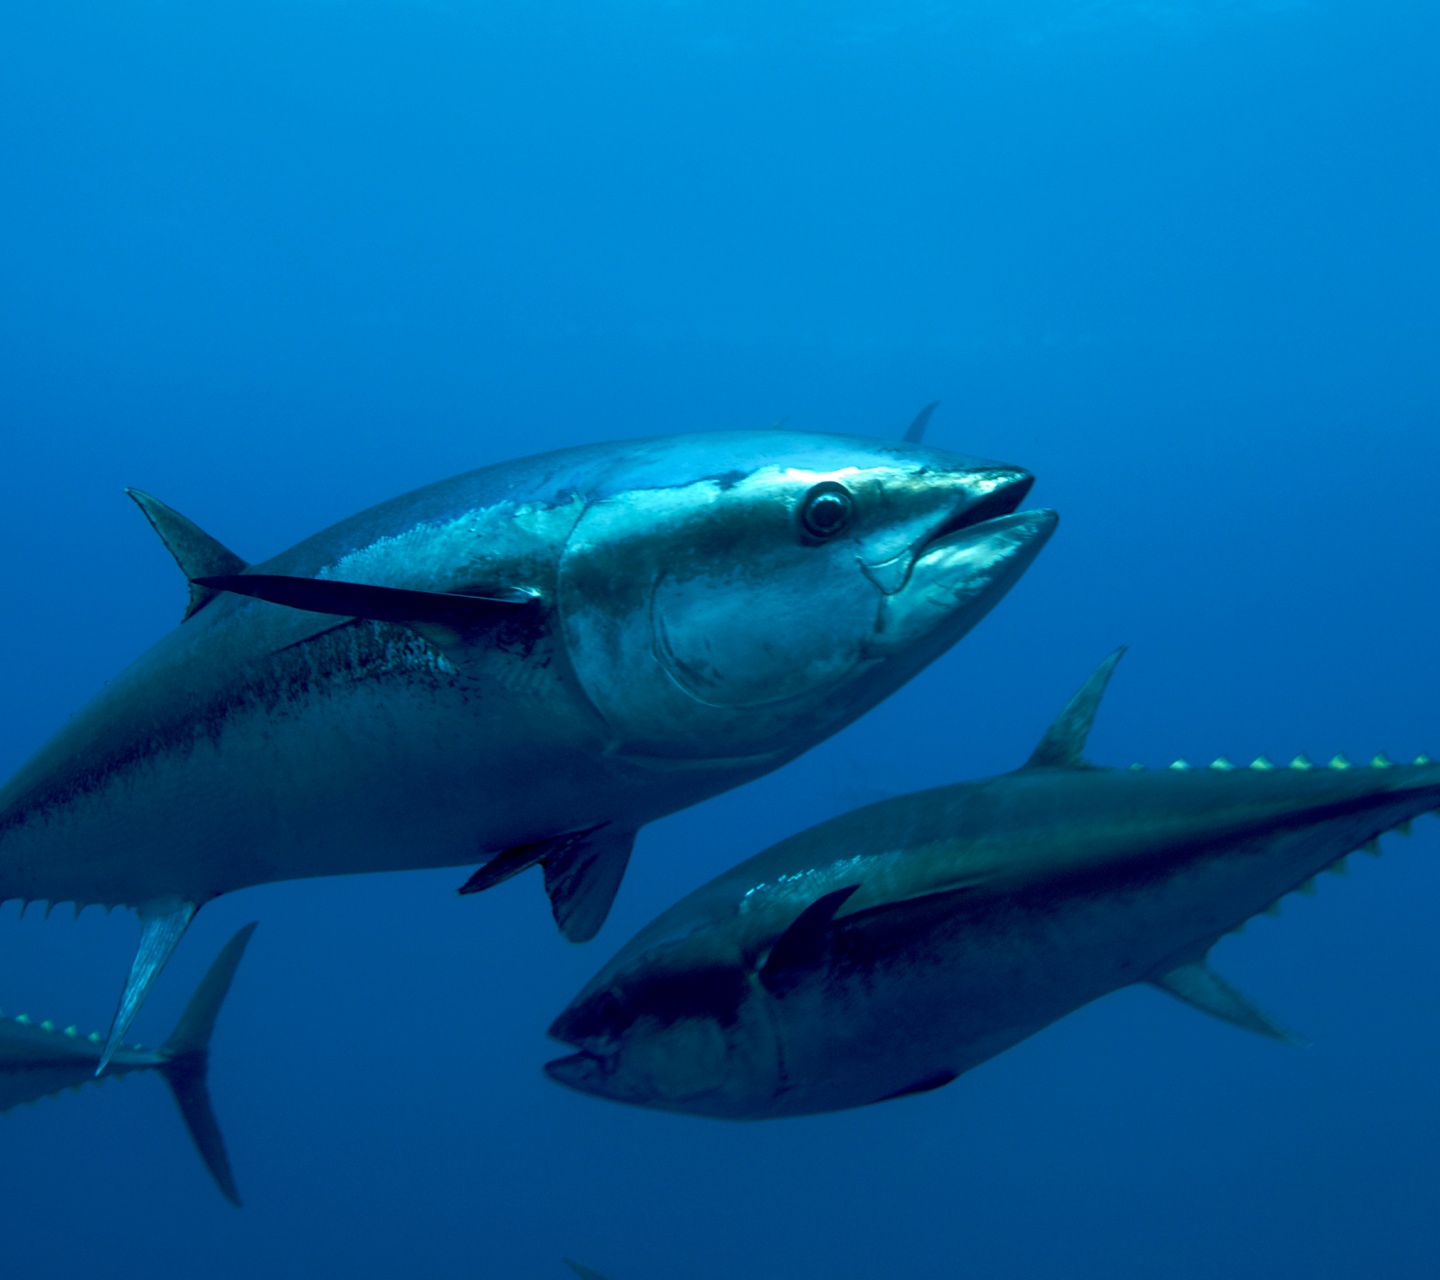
(1200, 986)
(802, 946)
(382, 604)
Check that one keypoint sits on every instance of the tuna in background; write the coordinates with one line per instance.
(278, 263)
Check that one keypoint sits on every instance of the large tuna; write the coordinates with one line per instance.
(520, 665)
(891, 949)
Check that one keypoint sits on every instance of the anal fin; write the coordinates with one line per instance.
(162, 925)
(1202, 988)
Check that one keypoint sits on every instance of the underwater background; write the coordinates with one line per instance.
(275, 262)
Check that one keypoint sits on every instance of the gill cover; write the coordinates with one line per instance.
(698, 615)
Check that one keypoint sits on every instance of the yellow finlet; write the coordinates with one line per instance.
(1180, 765)
(1404, 828)
(1371, 847)
(1222, 764)
(1339, 762)
(1307, 887)
(1381, 761)
(1263, 763)
(1301, 762)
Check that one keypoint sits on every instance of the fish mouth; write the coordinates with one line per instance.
(989, 496)
(584, 1072)
(957, 577)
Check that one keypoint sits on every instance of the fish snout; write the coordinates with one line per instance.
(584, 1072)
(958, 577)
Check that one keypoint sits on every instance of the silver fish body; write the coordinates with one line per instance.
(676, 651)
(893, 948)
(531, 660)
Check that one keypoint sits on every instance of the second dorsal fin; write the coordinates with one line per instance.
(195, 551)
(1063, 745)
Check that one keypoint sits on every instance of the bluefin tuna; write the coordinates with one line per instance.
(524, 664)
(36, 1060)
(891, 949)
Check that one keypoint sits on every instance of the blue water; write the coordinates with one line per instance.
(275, 262)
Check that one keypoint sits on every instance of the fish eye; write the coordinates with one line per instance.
(826, 509)
(610, 1013)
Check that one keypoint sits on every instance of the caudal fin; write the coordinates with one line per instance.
(188, 1059)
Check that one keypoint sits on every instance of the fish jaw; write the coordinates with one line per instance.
(703, 1044)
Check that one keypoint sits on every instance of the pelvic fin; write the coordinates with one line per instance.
(583, 870)
(583, 877)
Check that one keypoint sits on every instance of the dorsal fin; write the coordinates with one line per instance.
(1063, 745)
(195, 551)
(915, 432)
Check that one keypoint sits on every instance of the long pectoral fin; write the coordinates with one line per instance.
(449, 614)
(1201, 987)
(802, 946)
(583, 870)
(162, 925)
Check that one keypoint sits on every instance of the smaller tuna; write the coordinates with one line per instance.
(891, 949)
(36, 1060)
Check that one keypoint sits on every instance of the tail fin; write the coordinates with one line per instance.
(188, 1058)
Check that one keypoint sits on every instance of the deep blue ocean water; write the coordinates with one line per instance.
(275, 262)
